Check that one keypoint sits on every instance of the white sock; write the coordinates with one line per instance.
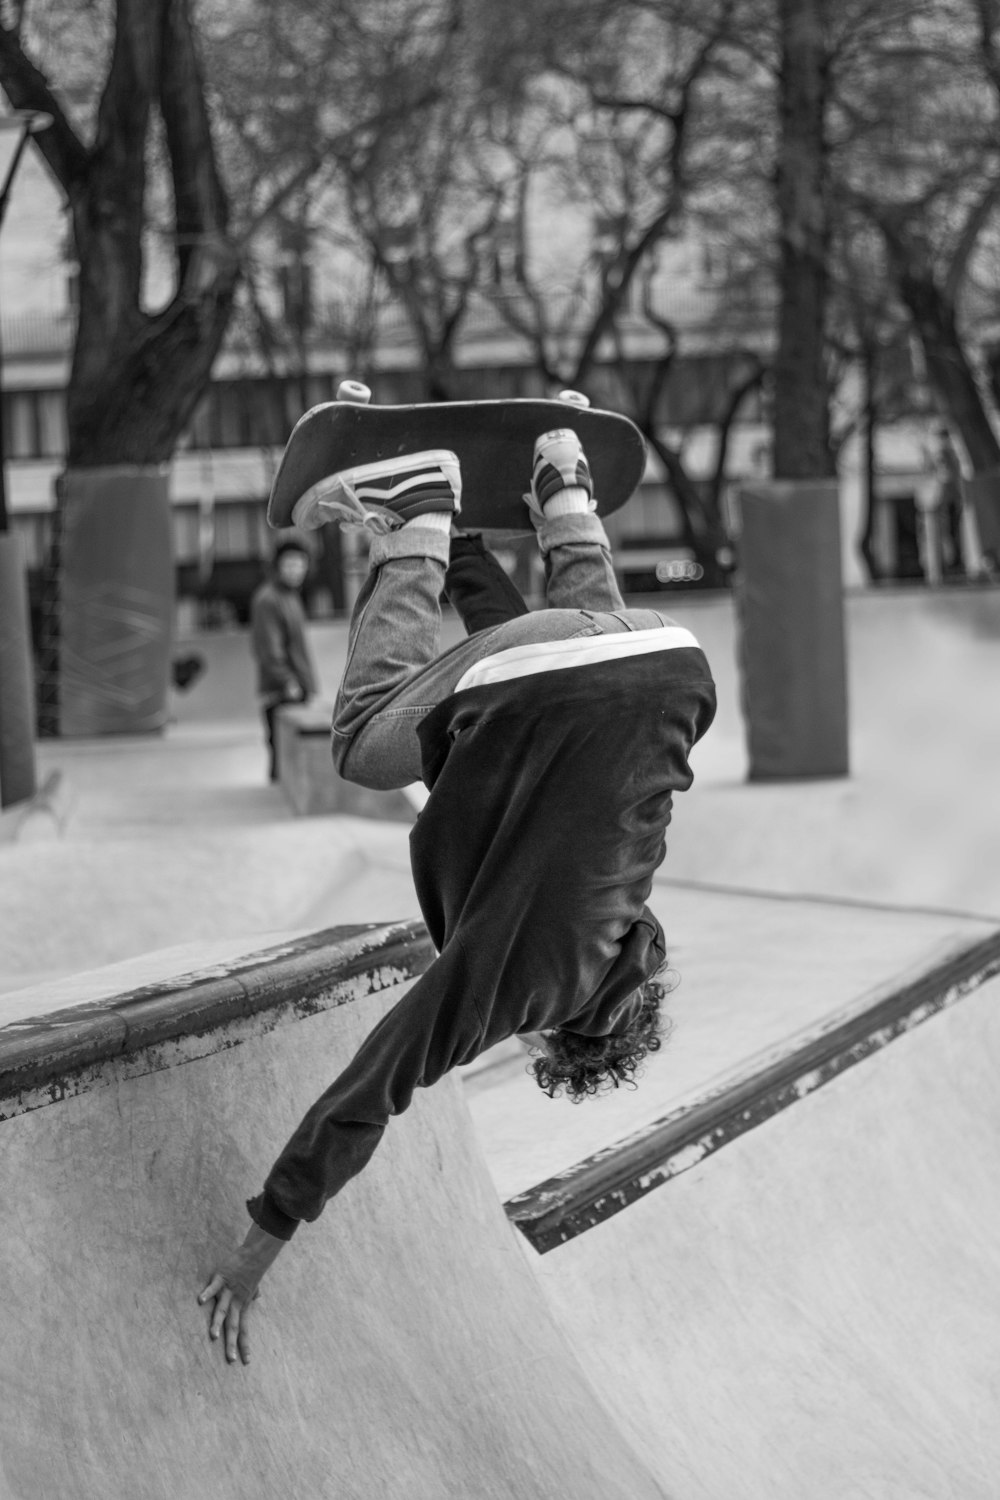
(572, 501)
(432, 520)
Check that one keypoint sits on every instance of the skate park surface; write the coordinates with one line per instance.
(805, 1311)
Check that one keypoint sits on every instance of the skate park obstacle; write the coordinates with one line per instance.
(311, 781)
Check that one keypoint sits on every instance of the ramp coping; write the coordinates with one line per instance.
(45, 1059)
(593, 1190)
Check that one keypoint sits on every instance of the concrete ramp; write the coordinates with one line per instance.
(784, 1289)
(794, 1293)
(403, 1349)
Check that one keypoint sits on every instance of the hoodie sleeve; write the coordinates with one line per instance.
(268, 638)
(299, 658)
(431, 1030)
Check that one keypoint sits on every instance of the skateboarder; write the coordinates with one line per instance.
(285, 671)
(551, 742)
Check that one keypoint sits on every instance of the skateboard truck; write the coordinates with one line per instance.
(360, 394)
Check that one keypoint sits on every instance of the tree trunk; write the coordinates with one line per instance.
(801, 393)
(789, 588)
(948, 368)
(866, 541)
(133, 405)
(703, 531)
(135, 379)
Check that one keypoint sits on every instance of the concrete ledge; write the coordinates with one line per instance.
(594, 1190)
(183, 1016)
(310, 780)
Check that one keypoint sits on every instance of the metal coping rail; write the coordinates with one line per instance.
(48, 1058)
(164, 1024)
(595, 1189)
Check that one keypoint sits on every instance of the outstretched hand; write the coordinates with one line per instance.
(234, 1286)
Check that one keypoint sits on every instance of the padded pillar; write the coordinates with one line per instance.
(17, 687)
(791, 613)
(116, 601)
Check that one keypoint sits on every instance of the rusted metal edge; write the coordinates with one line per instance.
(48, 1058)
(595, 1189)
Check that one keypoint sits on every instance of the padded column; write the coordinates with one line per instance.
(791, 612)
(116, 602)
(17, 688)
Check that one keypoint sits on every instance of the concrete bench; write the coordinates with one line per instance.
(311, 781)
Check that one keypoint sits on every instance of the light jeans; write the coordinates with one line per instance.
(396, 672)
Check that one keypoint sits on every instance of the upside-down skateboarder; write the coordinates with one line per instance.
(551, 742)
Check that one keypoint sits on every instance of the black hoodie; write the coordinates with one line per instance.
(533, 859)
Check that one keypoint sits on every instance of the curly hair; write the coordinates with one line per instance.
(580, 1066)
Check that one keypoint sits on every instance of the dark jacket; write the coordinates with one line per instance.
(278, 638)
(533, 859)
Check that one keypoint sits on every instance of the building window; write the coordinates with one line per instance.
(265, 400)
(20, 426)
(239, 529)
(52, 437)
(185, 520)
(34, 424)
(34, 531)
(230, 427)
(254, 413)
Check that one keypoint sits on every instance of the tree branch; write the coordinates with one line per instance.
(737, 396)
(201, 212)
(625, 264)
(629, 259)
(976, 221)
(280, 196)
(627, 104)
(27, 88)
(129, 90)
(989, 23)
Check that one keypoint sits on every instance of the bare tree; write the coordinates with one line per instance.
(607, 150)
(869, 337)
(924, 167)
(136, 374)
(801, 390)
(141, 146)
(427, 210)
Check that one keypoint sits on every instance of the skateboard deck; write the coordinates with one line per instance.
(494, 441)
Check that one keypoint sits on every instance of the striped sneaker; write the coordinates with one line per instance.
(560, 464)
(384, 495)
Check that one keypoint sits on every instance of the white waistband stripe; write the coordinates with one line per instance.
(579, 651)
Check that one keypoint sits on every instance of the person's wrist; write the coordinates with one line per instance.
(260, 1247)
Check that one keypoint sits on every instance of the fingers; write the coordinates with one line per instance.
(220, 1314)
(243, 1337)
(233, 1292)
(212, 1290)
(237, 1341)
(232, 1331)
(230, 1319)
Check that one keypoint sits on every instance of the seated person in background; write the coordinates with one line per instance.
(285, 670)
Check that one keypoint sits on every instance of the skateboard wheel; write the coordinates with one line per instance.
(574, 398)
(354, 390)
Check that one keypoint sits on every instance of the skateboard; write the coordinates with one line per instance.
(494, 441)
